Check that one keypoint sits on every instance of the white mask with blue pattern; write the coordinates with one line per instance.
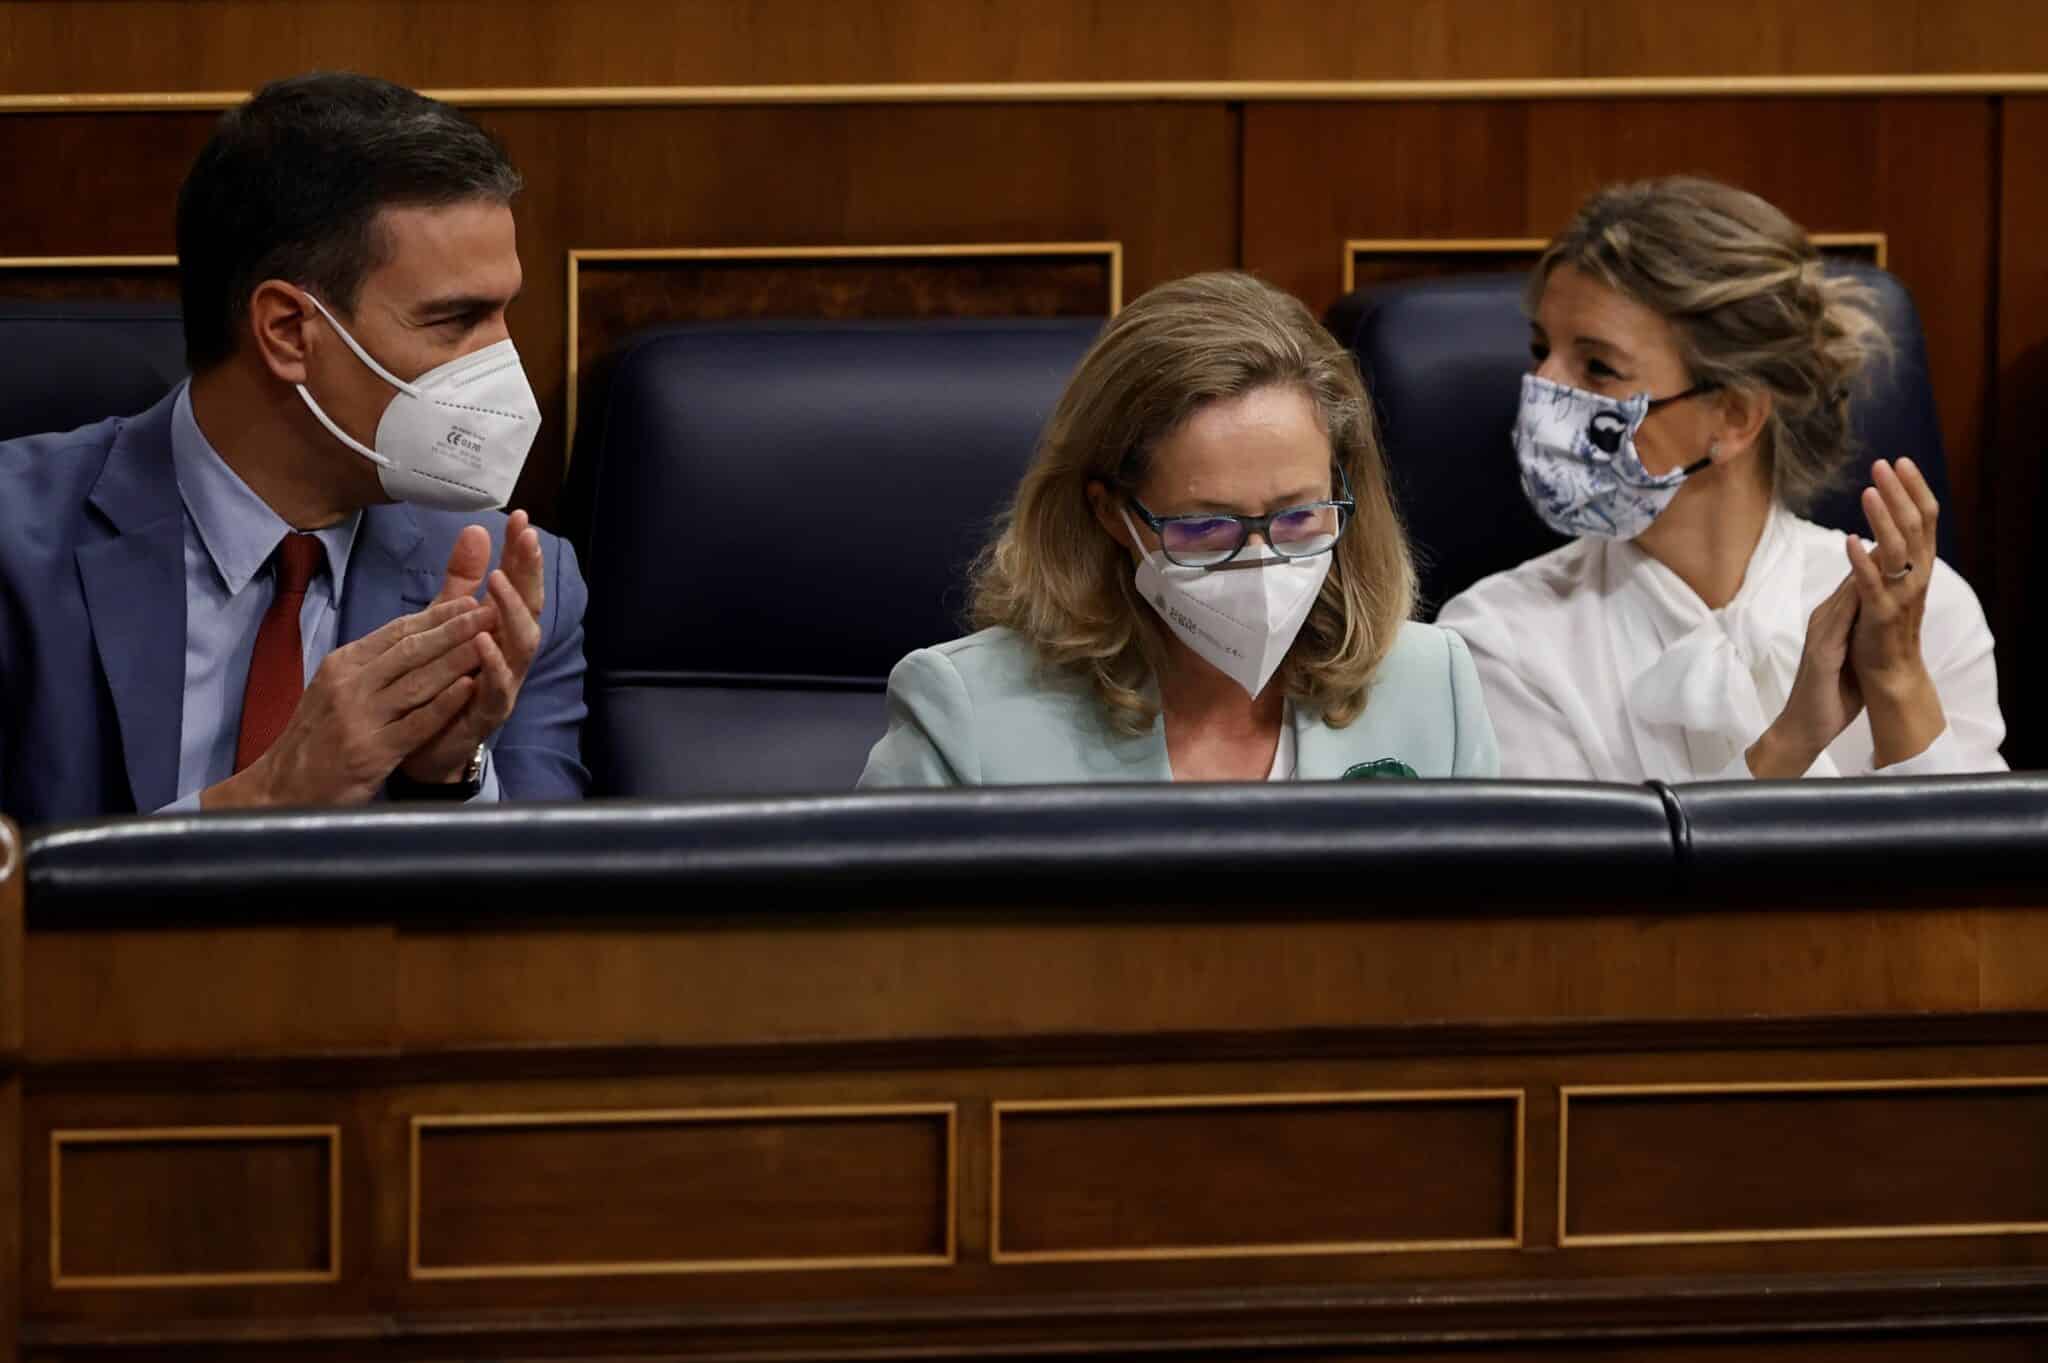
(1580, 470)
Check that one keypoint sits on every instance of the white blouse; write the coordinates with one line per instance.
(1600, 664)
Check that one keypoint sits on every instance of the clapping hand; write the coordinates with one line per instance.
(515, 594)
(1891, 590)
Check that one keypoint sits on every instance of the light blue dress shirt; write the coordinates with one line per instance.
(230, 534)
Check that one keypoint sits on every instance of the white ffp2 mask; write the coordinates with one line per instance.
(1240, 618)
(456, 436)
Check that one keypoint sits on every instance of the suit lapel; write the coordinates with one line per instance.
(1119, 756)
(1129, 757)
(384, 580)
(134, 586)
(1320, 752)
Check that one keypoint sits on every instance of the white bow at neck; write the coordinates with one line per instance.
(1702, 684)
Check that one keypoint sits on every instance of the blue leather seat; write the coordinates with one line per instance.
(65, 365)
(773, 514)
(1444, 358)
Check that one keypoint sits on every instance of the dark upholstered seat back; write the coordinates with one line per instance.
(65, 365)
(1069, 849)
(1444, 359)
(777, 512)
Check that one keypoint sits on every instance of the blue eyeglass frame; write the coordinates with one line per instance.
(1347, 506)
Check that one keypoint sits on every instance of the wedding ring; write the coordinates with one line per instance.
(1901, 575)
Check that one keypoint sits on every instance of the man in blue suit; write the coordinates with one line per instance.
(275, 587)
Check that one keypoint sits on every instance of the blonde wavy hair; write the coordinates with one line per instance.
(1053, 576)
(1753, 308)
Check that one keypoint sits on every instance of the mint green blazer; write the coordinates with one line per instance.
(982, 711)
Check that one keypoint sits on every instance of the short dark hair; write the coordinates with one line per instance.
(290, 184)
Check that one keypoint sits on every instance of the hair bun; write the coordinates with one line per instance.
(1754, 304)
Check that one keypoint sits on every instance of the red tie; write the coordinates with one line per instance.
(277, 668)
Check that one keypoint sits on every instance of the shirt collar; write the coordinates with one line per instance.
(237, 527)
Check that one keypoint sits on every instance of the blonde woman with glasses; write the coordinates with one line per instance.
(1690, 392)
(1202, 577)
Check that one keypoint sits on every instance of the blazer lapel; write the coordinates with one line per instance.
(1359, 752)
(1129, 757)
(384, 581)
(134, 586)
(1119, 756)
(1320, 752)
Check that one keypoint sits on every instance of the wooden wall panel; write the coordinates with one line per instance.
(1161, 180)
(81, 185)
(550, 1195)
(1923, 172)
(850, 177)
(1820, 1162)
(604, 1194)
(1284, 1176)
(871, 983)
(321, 989)
(228, 1207)
(120, 45)
(607, 1037)
(614, 294)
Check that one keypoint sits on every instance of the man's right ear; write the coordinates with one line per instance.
(279, 316)
(1103, 503)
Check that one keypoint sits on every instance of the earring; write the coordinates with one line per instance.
(1713, 449)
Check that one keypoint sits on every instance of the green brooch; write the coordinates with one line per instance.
(1385, 769)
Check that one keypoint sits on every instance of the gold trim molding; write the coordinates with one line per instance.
(997, 1254)
(949, 1112)
(88, 262)
(1354, 247)
(209, 1135)
(1908, 1231)
(1076, 92)
(578, 257)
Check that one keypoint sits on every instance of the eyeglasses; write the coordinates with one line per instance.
(1212, 538)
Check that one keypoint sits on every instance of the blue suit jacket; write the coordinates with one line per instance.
(92, 625)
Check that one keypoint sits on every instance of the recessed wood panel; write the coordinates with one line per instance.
(586, 1194)
(615, 293)
(1212, 1177)
(1753, 1162)
(188, 1207)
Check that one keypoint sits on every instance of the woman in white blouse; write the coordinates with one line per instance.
(1690, 395)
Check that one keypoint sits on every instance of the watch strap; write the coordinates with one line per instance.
(399, 786)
